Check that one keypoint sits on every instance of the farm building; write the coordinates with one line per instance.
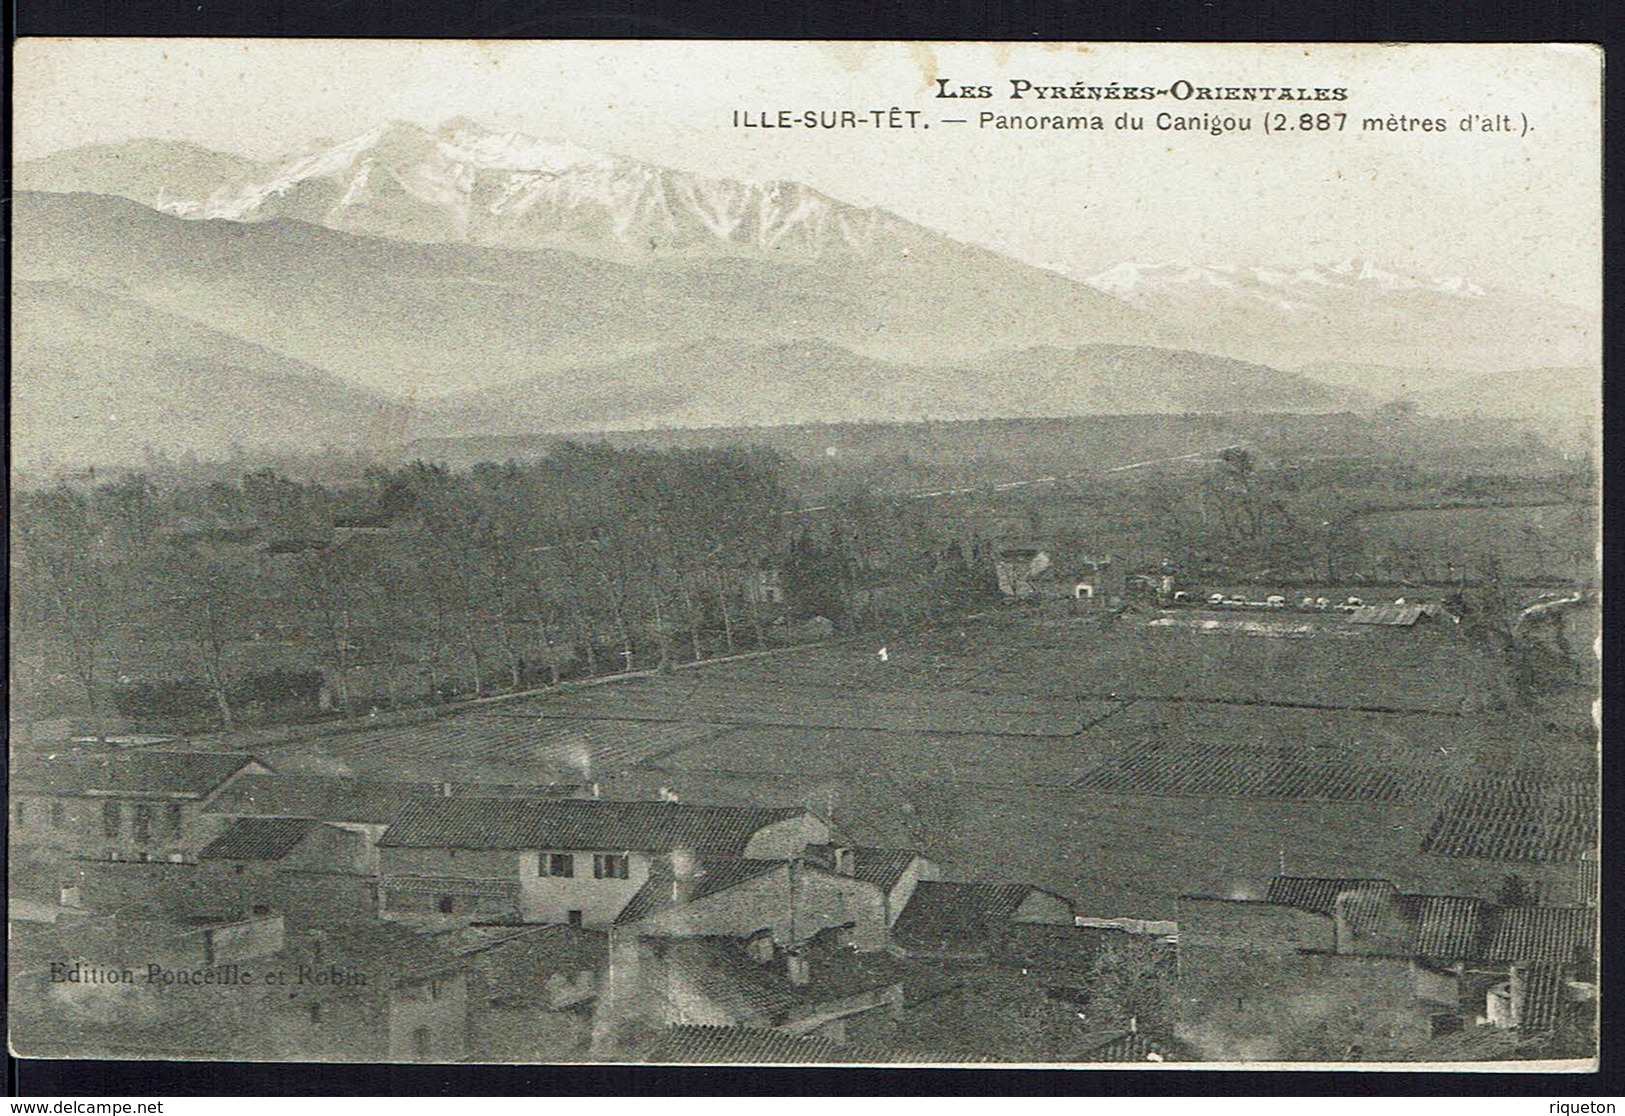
(574, 861)
(1395, 615)
(1393, 970)
(964, 920)
(817, 988)
(1098, 579)
(532, 990)
(389, 994)
(1018, 570)
(121, 804)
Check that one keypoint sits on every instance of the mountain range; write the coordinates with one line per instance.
(1358, 309)
(411, 281)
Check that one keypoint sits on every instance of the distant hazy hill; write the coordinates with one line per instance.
(152, 172)
(1122, 379)
(1356, 311)
(1565, 401)
(437, 318)
(719, 383)
(95, 378)
(493, 283)
(1382, 382)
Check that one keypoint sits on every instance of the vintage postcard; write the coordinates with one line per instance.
(849, 553)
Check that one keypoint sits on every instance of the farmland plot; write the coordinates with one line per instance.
(1123, 765)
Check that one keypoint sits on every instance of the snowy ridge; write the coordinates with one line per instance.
(509, 189)
(1285, 288)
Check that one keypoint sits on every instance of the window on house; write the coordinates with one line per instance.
(574, 917)
(112, 819)
(20, 811)
(143, 823)
(59, 815)
(315, 1013)
(447, 904)
(422, 1043)
(176, 819)
(608, 866)
(558, 864)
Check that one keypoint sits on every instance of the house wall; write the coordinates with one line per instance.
(350, 1027)
(328, 849)
(552, 898)
(903, 890)
(786, 839)
(1262, 981)
(1308, 1006)
(468, 902)
(438, 1007)
(527, 1034)
(486, 864)
(246, 939)
(74, 826)
(1438, 986)
(1040, 906)
(822, 900)
(215, 890)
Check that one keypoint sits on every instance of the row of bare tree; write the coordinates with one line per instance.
(421, 582)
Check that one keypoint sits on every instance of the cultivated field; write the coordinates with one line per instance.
(1119, 763)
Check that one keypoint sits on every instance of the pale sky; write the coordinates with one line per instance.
(1506, 209)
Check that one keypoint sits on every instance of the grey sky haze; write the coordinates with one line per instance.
(1509, 209)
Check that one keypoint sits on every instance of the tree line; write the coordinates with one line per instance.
(424, 583)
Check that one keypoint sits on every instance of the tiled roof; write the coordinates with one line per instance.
(135, 772)
(1542, 997)
(719, 970)
(1377, 921)
(741, 1045)
(1319, 894)
(881, 867)
(510, 823)
(380, 951)
(1542, 934)
(319, 796)
(1127, 1046)
(258, 839)
(714, 875)
(568, 947)
(724, 972)
(953, 917)
(374, 801)
(1472, 1044)
(1445, 926)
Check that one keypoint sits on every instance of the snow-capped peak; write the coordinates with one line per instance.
(1293, 287)
(462, 181)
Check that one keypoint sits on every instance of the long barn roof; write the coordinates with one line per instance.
(507, 823)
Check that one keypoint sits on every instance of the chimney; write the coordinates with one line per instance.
(686, 870)
(795, 966)
(843, 862)
(445, 790)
